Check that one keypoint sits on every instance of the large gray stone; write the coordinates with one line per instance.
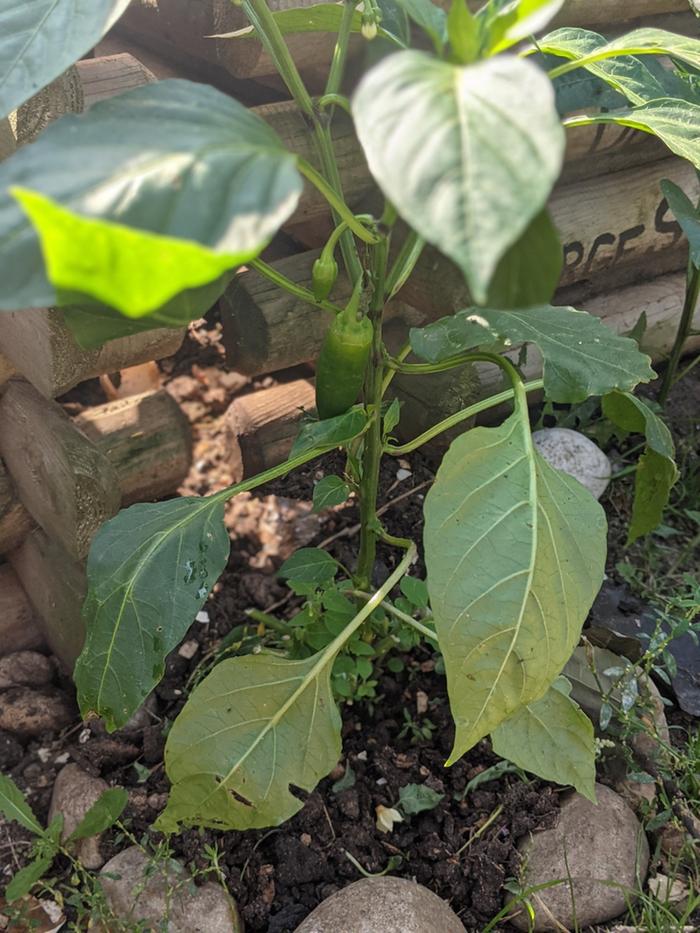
(573, 453)
(383, 905)
(25, 669)
(607, 855)
(163, 894)
(74, 792)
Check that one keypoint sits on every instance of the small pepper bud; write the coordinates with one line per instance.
(323, 277)
(369, 26)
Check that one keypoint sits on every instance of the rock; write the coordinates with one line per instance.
(603, 845)
(638, 795)
(74, 792)
(29, 712)
(25, 668)
(11, 752)
(383, 905)
(575, 454)
(144, 716)
(672, 892)
(140, 889)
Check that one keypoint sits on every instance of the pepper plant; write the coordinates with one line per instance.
(138, 213)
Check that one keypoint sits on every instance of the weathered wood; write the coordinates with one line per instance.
(55, 584)
(147, 440)
(261, 427)
(66, 484)
(104, 77)
(15, 521)
(603, 12)
(18, 628)
(7, 370)
(64, 95)
(39, 345)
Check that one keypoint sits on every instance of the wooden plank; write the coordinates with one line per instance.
(18, 627)
(39, 345)
(57, 600)
(15, 521)
(65, 483)
(147, 440)
(602, 12)
(103, 77)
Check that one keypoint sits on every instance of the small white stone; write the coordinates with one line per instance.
(573, 453)
(401, 475)
(84, 736)
(61, 759)
(203, 617)
(188, 649)
(43, 754)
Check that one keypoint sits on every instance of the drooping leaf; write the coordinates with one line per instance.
(656, 472)
(330, 491)
(129, 270)
(14, 806)
(102, 814)
(430, 18)
(331, 432)
(582, 357)
(39, 39)
(517, 20)
(552, 738)
(687, 216)
(309, 565)
(417, 798)
(25, 879)
(675, 122)
(529, 272)
(488, 153)
(515, 553)
(254, 727)
(174, 158)
(149, 571)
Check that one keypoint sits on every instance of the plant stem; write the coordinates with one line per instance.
(692, 292)
(340, 53)
(336, 202)
(404, 264)
(369, 482)
(283, 282)
(334, 100)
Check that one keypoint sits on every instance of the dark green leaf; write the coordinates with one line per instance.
(528, 273)
(309, 565)
(15, 807)
(102, 814)
(27, 877)
(453, 334)
(489, 150)
(150, 570)
(213, 173)
(332, 432)
(41, 38)
(416, 591)
(416, 798)
(330, 491)
(431, 19)
(687, 216)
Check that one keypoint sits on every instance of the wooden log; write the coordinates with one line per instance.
(261, 427)
(147, 440)
(18, 627)
(15, 521)
(106, 76)
(66, 484)
(64, 95)
(600, 13)
(614, 230)
(56, 585)
(39, 345)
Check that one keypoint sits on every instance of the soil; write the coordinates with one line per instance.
(279, 875)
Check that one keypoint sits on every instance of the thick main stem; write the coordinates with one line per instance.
(691, 299)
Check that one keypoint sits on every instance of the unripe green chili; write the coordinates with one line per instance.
(345, 352)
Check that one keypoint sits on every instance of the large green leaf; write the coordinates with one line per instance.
(39, 39)
(554, 739)
(675, 122)
(582, 357)
(528, 273)
(174, 158)
(515, 553)
(14, 806)
(252, 728)
(488, 152)
(149, 571)
(656, 472)
(687, 215)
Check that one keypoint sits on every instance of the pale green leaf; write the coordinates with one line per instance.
(104, 812)
(129, 270)
(174, 158)
(417, 798)
(330, 491)
(40, 39)
(309, 565)
(529, 272)
(515, 553)
(150, 570)
(489, 150)
(463, 32)
(687, 216)
(331, 432)
(552, 738)
(656, 472)
(519, 19)
(14, 806)
(254, 727)
(575, 44)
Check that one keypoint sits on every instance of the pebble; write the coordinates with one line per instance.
(383, 905)
(188, 649)
(573, 453)
(29, 712)
(162, 893)
(74, 792)
(25, 668)
(604, 847)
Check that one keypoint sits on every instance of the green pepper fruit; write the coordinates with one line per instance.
(345, 352)
(323, 276)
